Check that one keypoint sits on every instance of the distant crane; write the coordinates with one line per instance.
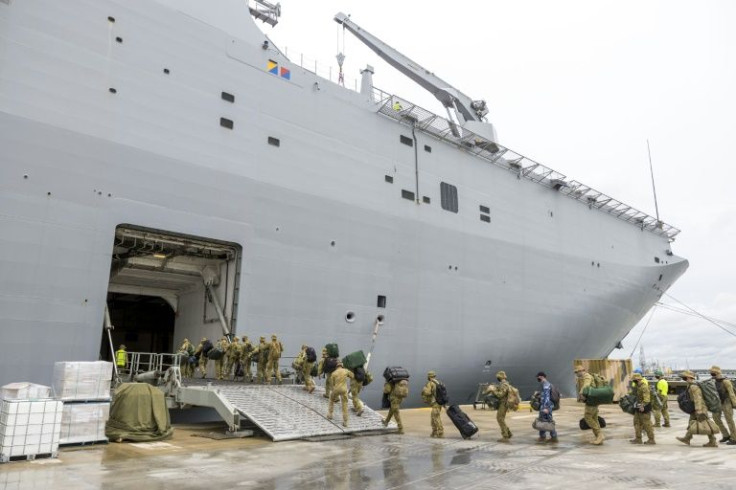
(642, 359)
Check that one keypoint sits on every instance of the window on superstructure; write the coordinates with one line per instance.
(388, 179)
(406, 140)
(226, 123)
(228, 97)
(407, 194)
(274, 141)
(448, 197)
(428, 148)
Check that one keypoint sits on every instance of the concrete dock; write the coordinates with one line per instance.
(190, 460)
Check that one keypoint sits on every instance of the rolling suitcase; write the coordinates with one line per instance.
(463, 423)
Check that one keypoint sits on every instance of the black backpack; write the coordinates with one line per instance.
(685, 403)
(440, 394)
(359, 373)
(311, 354)
(206, 347)
(329, 365)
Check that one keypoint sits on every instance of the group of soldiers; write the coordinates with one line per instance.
(234, 358)
(699, 422)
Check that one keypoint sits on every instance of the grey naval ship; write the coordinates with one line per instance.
(163, 162)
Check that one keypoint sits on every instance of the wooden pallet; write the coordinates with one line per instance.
(27, 457)
(84, 443)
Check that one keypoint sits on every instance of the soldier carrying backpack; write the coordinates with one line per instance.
(508, 397)
(396, 390)
(727, 400)
(434, 394)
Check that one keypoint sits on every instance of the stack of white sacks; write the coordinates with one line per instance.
(32, 423)
(84, 388)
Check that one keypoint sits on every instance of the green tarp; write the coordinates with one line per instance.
(138, 413)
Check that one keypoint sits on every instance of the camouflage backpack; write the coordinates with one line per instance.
(513, 400)
(401, 389)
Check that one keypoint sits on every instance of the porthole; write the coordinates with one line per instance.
(350, 317)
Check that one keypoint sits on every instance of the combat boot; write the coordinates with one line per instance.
(650, 441)
(711, 443)
(731, 442)
(541, 439)
(636, 440)
(505, 440)
(553, 440)
(666, 424)
(725, 438)
(598, 439)
(683, 440)
(657, 425)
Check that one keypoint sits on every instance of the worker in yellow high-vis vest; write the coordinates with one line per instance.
(121, 357)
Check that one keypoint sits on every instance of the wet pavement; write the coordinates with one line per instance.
(411, 461)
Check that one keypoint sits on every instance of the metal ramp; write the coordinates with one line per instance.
(284, 412)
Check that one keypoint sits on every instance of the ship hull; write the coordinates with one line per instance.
(322, 232)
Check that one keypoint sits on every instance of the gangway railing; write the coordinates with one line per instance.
(144, 362)
(405, 112)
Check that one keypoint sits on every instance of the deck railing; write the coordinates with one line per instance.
(411, 114)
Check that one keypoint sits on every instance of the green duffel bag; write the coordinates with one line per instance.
(332, 350)
(628, 404)
(314, 371)
(598, 396)
(354, 360)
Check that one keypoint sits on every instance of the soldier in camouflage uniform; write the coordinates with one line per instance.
(247, 351)
(428, 396)
(396, 392)
(307, 373)
(701, 411)
(340, 391)
(220, 363)
(298, 365)
(187, 351)
(501, 391)
(642, 415)
(591, 413)
(275, 348)
(321, 371)
(260, 354)
(355, 388)
(234, 354)
(728, 400)
(202, 357)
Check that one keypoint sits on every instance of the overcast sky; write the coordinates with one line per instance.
(579, 86)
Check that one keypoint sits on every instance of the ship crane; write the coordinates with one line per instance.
(469, 113)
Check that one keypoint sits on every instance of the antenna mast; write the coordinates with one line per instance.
(654, 189)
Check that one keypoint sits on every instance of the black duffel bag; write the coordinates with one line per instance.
(584, 425)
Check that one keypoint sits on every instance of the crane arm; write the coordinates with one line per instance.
(449, 96)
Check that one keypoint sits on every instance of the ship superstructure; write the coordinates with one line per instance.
(164, 158)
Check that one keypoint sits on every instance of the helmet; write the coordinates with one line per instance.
(658, 372)
(501, 375)
(638, 370)
(636, 377)
(431, 374)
